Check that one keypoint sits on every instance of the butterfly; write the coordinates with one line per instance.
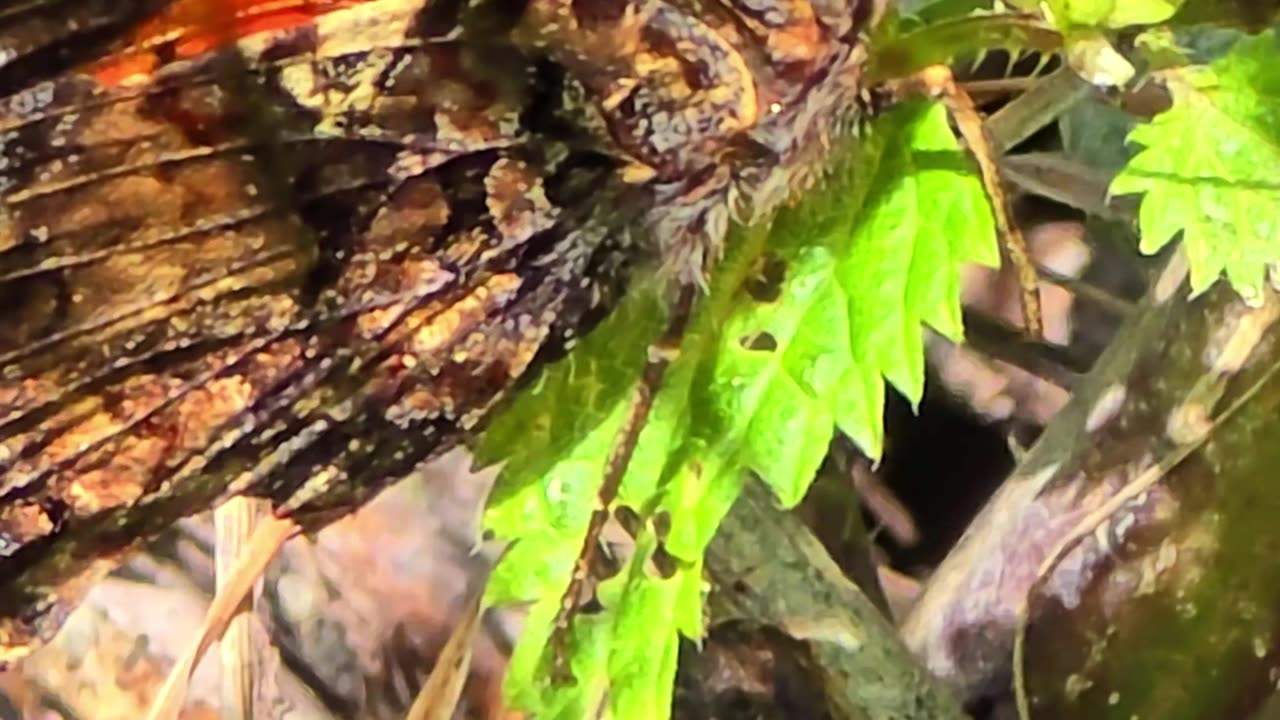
(294, 249)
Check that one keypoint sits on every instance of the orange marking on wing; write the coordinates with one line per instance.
(189, 28)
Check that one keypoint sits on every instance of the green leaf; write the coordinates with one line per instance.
(929, 11)
(907, 47)
(1250, 16)
(766, 372)
(1104, 13)
(1124, 13)
(1094, 133)
(1210, 167)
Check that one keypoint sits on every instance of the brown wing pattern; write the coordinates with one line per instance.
(295, 267)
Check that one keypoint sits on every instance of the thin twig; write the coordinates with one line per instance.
(1056, 364)
(938, 82)
(1087, 291)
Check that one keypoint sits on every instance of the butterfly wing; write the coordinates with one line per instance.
(295, 266)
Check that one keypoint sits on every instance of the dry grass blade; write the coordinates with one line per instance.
(239, 652)
(266, 541)
(439, 696)
(1057, 177)
(1042, 103)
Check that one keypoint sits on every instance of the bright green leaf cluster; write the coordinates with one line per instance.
(1210, 167)
(769, 367)
(765, 374)
(1086, 26)
(1103, 13)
